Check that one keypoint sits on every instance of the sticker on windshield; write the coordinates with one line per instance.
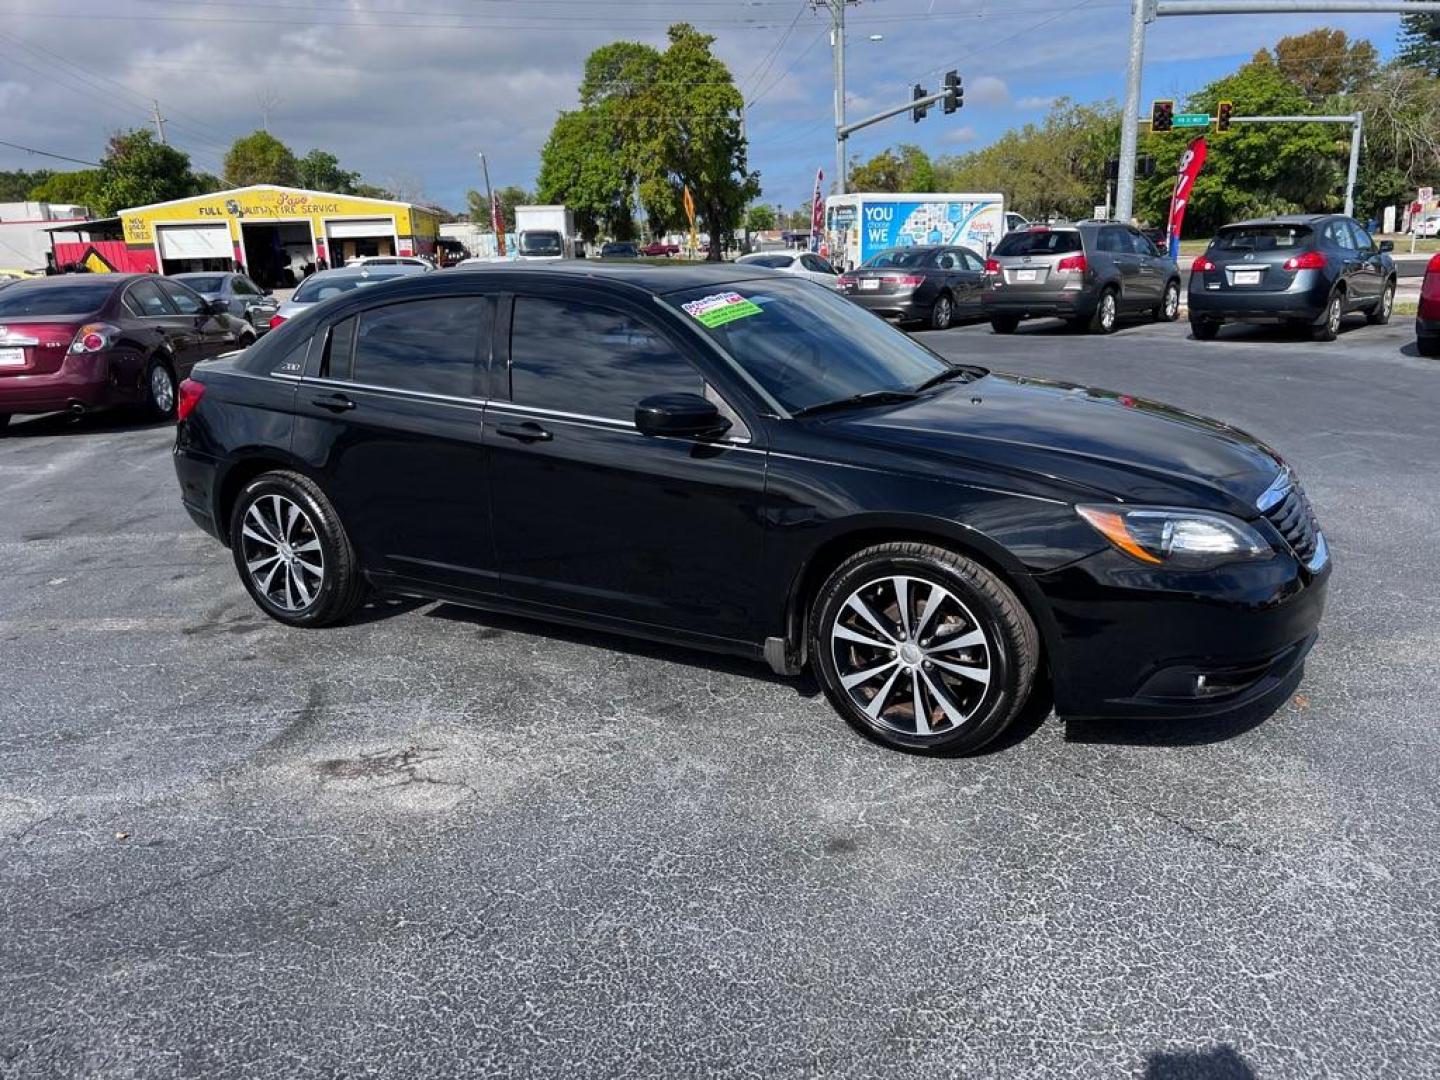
(721, 308)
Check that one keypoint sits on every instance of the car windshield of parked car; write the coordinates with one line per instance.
(203, 283)
(541, 243)
(321, 287)
(1262, 237)
(805, 344)
(53, 298)
(899, 257)
(774, 262)
(1038, 242)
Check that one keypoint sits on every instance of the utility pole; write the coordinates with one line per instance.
(837, 49)
(1147, 11)
(159, 121)
(497, 216)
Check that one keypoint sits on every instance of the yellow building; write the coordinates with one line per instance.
(268, 230)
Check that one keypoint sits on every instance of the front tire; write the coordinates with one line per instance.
(159, 390)
(1107, 312)
(1329, 327)
(922, 649)
(1169, 309)
(1380, 314)
(942, 314)
(292, 553)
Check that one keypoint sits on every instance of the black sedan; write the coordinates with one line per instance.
(1307, 270)
(619, 249)
(933, 285)
(243, 298)
(753, 465)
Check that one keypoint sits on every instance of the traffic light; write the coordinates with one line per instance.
(954, 92)
(1222, 116)
(918, 112)
(1162, 116)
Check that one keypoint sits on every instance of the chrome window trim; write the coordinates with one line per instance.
(449, 399)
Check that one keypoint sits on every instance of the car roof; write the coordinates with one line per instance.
(655, 279)
(1282, 219)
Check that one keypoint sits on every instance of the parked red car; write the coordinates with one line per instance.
(1427, 318)
(84, 341)
(657, 248)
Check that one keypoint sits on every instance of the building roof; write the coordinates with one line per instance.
(231, 192)
(80, 225)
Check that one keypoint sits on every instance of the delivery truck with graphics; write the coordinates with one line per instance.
(861, 224)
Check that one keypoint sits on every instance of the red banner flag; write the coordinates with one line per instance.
(1191, 162)
(817, 212)
(497, 222)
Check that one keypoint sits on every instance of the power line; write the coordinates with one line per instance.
(47, 153)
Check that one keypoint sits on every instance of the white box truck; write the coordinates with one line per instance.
(860, 224)
(544, 233)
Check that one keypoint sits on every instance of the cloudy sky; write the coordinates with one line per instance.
(406, 91)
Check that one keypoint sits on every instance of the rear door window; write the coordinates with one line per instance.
(591, 361)
(185, 301)
(145, 299)
(1363, 240)
(1114, 241)
(1338, 234)
(431, 346)
(972, 261)
(1039, 242)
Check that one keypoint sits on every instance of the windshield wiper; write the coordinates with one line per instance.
(870, 397)
(970, 374)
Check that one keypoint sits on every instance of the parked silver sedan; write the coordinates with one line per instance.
(244, 299)
(327, 283)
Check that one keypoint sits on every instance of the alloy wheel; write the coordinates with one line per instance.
(1172, 302)
(282, 552)
(1387, 302)
(1107, 311)
(943, 313)
(911, 656)
(162, 389)
(1332, 317)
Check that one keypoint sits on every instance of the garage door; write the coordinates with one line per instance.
(363, 227)
(195, 242)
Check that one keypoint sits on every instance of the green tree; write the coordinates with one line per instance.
(1420, 42)
(1401, 105)
(760, 218)
(137, 171)
(908, 170)
(1322, 62)
(510, 197)
(579, 166)
(260, 158)
(15, 186)
(372, 191)
(79, 187)
(320, 170)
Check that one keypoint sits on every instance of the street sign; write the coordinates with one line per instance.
(1425, 194)
(1191, 119)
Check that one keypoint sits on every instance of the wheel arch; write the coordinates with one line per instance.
(243, 470)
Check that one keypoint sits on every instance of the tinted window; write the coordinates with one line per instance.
(589, 360)
(946, 260)
(1362, 238)
(820, 265)
(804, 343)
(1114, 241)
(428, 345)
(774, 262)
(902, 257)
(338, 349)
(54, 298)
(243, 286)
(144, 297)
(185, 301)
(1338, 233)
(1038, 242)
(972, 261)
(211, 283)
(1142, 245)
(1261, 237)
(322, 286)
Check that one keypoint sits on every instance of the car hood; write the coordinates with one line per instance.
(1063, 437)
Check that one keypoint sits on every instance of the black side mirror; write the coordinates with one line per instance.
(1387, 245)
(218, 307)
(683, 415)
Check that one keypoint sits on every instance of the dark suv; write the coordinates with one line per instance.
(747, 462)
(1307, 270)
(1090, 273)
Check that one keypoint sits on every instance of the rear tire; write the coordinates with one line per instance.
(1004, 324)
(1329, 327)
(159, 390)
(1107, 313)
(1380, 314)
(292, 552)
(953, 654)
(1169, 309)
(4, 422)
(943, 313)
(1204, 329)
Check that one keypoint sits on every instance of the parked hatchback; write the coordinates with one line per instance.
(1091, 274)
(933, 285)
(1308, 271)
(242, 297)
(88, 341)
(749, 463)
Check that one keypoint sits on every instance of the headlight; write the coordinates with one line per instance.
(1176, 538)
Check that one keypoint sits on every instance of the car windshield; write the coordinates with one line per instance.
(899, 257)
(321, 287)
(541, 243)
(805, 344)
(775, 262)
(204, 283)
(1262, 237)
(53, 297)
(1038, 242)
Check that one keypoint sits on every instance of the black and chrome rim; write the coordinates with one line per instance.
(912, 657)
(942, 312)
(1387, 301)
(162, 388)
(282, 552)
(1107, 310)
(1333, 316)
(1172, 301)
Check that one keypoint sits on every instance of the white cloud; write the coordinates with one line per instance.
(986, 90)
(958, 135)
(1034, 101)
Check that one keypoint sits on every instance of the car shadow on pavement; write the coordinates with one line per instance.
(1266, 332)
(94, 423)
(1216, 1063)
(493, 624)
(1139, 731)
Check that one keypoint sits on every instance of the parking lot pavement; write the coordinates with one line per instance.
(442, 843)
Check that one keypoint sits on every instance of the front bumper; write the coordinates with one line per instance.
(84, 380)
(1130, 641)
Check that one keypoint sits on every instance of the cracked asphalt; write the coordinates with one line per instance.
(441, 843)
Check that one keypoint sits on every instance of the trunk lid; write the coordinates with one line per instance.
(1036, 257)
(35, 346)
(1252, 258)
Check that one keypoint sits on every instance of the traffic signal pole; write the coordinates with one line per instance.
(1147, 11)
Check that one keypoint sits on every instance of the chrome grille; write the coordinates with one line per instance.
(1285, 504)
